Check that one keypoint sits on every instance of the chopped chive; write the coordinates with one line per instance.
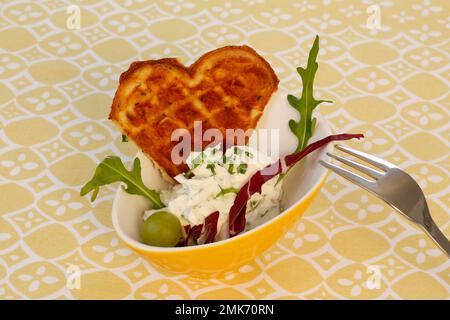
(188, 174)
(124, 138)
(237, 151)
(280, 177)
(224, 191)
(249, 154)
(230, 168)
(253, 204)
(211, 167)
(198, 160)
(242, 168)
(264, 213)
(225, 159)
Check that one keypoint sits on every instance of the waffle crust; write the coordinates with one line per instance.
(227, 88)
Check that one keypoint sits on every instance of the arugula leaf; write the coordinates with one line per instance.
(111, 170)
(304, 128)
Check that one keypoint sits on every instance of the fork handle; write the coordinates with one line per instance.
(435, 233)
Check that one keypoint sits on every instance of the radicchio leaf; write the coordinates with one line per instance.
(196, 231)
(238, 210)
(193, 233)
(211, 227)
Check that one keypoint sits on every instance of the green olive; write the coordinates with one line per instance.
(162, 229)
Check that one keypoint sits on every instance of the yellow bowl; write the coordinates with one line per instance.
(300, 186)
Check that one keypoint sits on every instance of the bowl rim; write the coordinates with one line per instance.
(147, 248)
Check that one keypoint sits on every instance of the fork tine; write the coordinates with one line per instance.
(360, 181)
(369, 171)
(377, 162)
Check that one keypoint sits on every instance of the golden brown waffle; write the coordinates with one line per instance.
(226, 88)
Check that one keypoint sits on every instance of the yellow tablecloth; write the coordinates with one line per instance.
(389, 80)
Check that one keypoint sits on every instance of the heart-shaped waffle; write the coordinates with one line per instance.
(227, 88)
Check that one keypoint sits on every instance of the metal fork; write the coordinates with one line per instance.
(394, 186)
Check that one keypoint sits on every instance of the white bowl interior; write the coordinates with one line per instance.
(127, 209)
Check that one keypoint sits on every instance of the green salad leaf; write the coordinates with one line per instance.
(304, 128)
(111, 170)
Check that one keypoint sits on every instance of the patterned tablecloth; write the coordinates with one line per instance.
(388, 78)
